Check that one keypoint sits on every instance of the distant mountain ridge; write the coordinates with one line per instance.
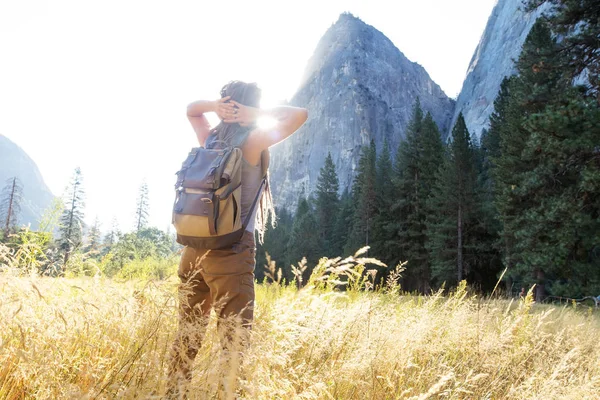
(357, 87)
(36, 195)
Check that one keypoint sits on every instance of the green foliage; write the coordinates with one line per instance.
(303, 241)
(547, 170)
(418, 159)
(537, 84)
(486, 254)
(327, 205)
(454, 210)
(153, 267)
(81, 265)
(32, 250)
(384, 198)
(31, 253)
(137, 246)
(275, 244)
(560, 233)
(409, 207)
(577, 21)
(343, 223)
(364, 199)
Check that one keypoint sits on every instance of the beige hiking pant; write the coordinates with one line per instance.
(219, 279)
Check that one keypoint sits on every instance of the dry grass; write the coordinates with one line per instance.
(91, 338)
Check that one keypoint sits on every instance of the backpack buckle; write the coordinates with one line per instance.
(206, 200)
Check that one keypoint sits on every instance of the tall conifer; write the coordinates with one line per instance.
(384, 197)
(71, 221)
(363, 194)
(10, 205)
(454, 208)
(327, 205)
(303, 241)
(414, 173)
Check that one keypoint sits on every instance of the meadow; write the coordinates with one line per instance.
(100, 338)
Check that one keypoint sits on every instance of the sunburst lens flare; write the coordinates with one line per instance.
(266, 122)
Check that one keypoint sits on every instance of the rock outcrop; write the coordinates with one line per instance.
(357, 87)
(499, 47)
(36, 195)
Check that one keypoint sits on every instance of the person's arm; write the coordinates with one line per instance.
(288, 120)
(197, 109)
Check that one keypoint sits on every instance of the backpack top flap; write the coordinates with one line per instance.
(205, 169)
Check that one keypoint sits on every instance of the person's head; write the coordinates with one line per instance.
(246, 93)
(226, 134)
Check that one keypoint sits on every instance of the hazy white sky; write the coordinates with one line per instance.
(103, 85)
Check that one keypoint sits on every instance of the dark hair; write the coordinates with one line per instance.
(235, 135)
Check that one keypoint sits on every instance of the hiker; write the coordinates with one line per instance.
(223, 279)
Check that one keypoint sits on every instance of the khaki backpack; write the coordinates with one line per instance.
(208, 194)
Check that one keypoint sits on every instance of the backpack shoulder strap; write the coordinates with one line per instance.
(265, 159)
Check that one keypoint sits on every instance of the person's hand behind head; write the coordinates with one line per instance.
(224, 108)
(243, 115)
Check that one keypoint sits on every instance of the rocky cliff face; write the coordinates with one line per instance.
(36, 195)
(500, 45)
(357, 86)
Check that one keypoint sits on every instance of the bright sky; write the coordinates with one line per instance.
(103, 85)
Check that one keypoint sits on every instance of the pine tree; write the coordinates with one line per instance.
(562, 234)
(506, 139)
(578, 23)
(453, 204)
(303, 240)
(487, 258)
(94, 238)
(141, 210)
(71, 221)
(384, 198)
(522, 189)
(12, 196)
(491, 181)
(363, 195)
(432, 153)
(343, 224)
(327, 205)
(275, 243)
(417, 160)
(560, 230)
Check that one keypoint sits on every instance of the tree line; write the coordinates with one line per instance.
(64, 244)
(521, 204)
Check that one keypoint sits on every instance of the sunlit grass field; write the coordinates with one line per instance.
(95, 338)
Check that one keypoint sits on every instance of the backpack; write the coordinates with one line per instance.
(208, 194)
